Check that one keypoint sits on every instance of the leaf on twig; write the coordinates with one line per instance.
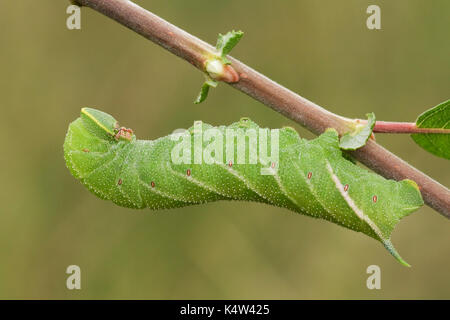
(204, 90)
(226, 42)
(435, 143)
(358, 138)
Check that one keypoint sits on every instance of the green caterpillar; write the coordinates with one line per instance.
(311, 177)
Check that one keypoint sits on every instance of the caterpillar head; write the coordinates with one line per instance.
(104, 125)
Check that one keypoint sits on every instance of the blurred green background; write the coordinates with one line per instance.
(320, 49)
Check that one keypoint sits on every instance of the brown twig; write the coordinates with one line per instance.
(404, 127)
(256, 85)
(401, 127)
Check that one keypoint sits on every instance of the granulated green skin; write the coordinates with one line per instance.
(313, 178)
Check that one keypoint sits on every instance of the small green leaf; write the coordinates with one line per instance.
(435, 143)
(203, 94)
(204, 90)
(358, 138)
(225, 43)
